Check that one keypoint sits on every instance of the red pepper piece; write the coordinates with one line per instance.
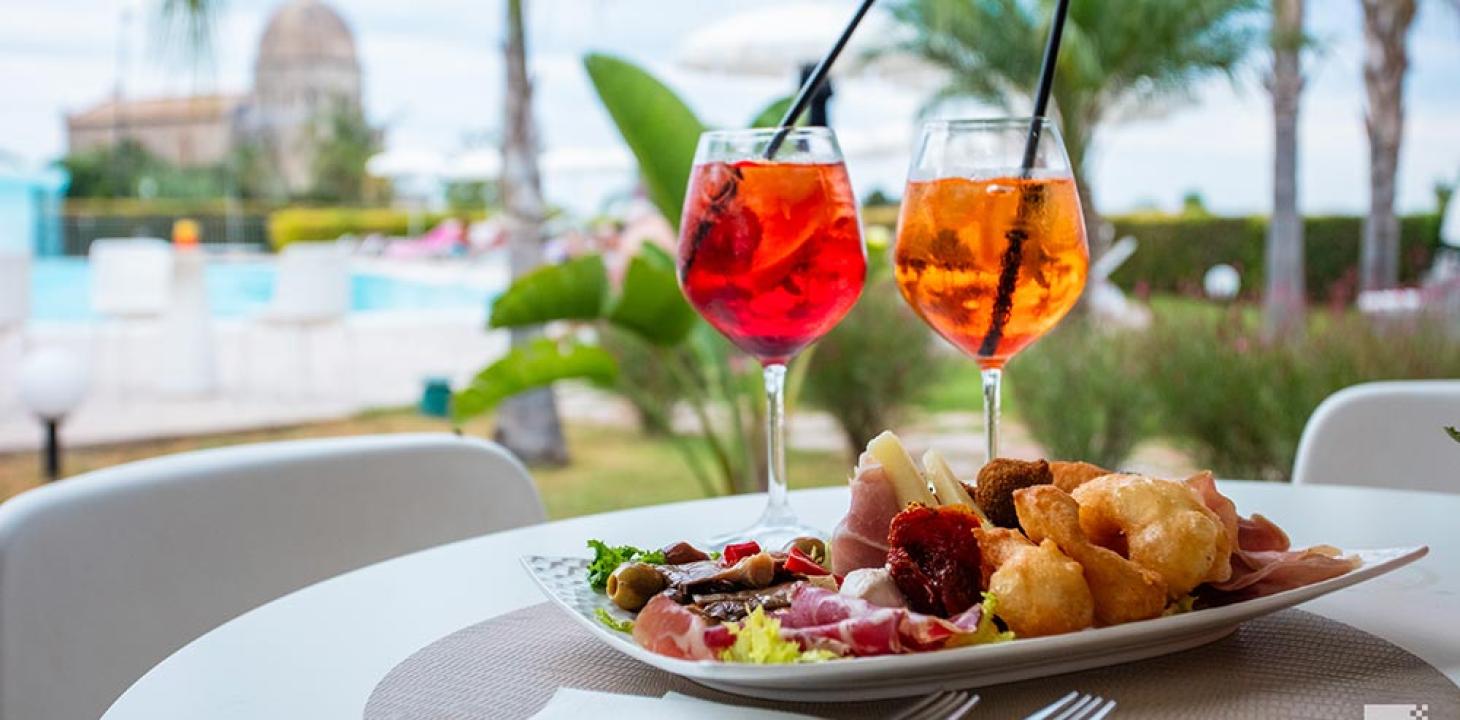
(736, 551)
(800, 563)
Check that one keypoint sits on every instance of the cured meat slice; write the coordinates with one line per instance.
(1262, 563)
(819, 618)
(860, 539)
(668, 628)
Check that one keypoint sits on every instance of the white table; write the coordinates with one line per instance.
(319, 652)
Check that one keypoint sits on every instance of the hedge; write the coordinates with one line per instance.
(304, 224)
(1176, 251)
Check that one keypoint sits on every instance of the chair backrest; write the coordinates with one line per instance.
(130, 277)
(104, 575)
(14, 289)
(1384, 434)
(313, 283)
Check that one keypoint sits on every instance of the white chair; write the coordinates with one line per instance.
(104, 575)
(130, 277)
(14, 290)
(131, 284)
(14, 311)
(1384, 434)
(311, 295)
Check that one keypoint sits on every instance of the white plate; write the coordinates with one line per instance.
(564, 580)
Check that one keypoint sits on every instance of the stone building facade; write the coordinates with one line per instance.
(306, 68)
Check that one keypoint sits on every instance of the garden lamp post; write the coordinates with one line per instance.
(52, 383)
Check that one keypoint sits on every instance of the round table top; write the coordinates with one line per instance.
(319, 652)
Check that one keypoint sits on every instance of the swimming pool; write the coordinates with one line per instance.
(60, 290)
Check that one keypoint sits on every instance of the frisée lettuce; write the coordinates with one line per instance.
(987, 631)
(758, 641)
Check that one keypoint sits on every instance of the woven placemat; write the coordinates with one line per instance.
(1289, 665)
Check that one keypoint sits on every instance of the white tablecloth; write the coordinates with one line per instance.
(318, 653)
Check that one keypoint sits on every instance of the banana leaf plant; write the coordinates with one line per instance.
(648, 344)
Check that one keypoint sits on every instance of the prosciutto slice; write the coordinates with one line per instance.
(860, 539)
(1262, 561)
(817, 619)
(820, 618)
(668, 628)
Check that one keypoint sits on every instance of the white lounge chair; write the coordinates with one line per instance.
(311, 296)
(1384, 434)
(131, 285)
(104, 575)
(14, 311)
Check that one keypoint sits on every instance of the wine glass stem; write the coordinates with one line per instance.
(775, 392)
(991, 382)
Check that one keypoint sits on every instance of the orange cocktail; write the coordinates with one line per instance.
(953, 240)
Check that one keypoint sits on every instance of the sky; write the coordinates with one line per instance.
(434, 78)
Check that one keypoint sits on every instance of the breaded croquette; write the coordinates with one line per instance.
(997, 481)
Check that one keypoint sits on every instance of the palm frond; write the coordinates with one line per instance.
(1116, 54)
(185, 29)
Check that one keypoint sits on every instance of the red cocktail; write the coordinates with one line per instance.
(771, 254)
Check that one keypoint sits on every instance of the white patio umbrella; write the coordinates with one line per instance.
(480, 164)
(599, 159)
(405, 163)
(486, 164)
(777, 40)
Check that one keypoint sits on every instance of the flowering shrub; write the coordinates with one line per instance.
(1204, 378)
(1081, 394)
(1240, 403)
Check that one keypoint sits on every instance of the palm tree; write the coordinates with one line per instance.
(1117, 55)
(527, 423)
(1283, 301)
(1386, 59)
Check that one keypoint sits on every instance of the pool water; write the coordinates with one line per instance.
(60, 290)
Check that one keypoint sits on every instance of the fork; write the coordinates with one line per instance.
(945, 705)
(1076, 706)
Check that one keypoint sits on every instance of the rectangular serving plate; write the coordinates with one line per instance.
(563, 580)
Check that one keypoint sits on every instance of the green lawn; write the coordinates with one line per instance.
(613, 467)
(959, 389)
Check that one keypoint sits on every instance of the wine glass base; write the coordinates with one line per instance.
(769, 533)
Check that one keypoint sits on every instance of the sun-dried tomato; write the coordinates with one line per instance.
(934, 558)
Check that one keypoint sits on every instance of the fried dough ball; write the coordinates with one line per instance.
(997, 481)
(1041, 591)
(934, 559)
(1070, 474)
(1122, 590)
(1161, 525)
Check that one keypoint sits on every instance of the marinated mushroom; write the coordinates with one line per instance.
(682, 552)
(633, 584)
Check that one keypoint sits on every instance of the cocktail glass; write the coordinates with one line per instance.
(771, 255)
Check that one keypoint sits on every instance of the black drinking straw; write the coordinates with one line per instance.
(1046, 82)
(1014, 253)
(814, 81)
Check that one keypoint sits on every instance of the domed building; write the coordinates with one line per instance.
(305, 70)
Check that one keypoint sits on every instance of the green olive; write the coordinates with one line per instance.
(813, 547)
(632, 584)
